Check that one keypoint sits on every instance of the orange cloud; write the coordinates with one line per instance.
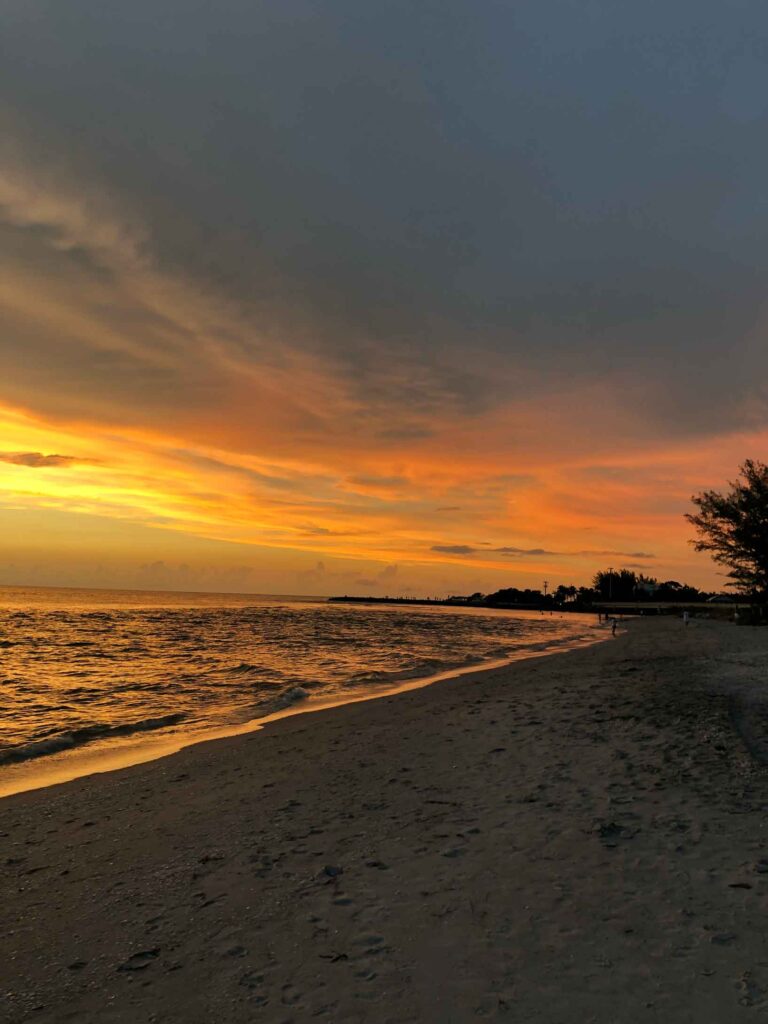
(513, 527)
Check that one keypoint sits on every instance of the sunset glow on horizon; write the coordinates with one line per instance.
(331, 302)
(92, 504)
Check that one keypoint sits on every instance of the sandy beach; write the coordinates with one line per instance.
(580, 837)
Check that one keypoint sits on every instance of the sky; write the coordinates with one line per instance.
(303, 297)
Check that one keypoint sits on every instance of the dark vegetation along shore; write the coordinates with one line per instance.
(579, 837)
(610, 588)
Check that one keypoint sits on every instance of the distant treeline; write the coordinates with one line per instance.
(608, 585)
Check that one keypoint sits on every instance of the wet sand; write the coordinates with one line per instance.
(574, 838)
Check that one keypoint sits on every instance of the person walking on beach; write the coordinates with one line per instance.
(613, 627)
(686, 618)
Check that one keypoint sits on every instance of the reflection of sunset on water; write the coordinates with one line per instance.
(95, 675)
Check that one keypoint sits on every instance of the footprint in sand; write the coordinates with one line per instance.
(139, 961)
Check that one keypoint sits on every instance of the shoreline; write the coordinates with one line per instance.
(575, 838)
(82, 762)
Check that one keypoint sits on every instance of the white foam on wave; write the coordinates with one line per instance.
(285, 699)
(79, 737)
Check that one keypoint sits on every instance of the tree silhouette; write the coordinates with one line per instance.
(733, 527)
(615, 585)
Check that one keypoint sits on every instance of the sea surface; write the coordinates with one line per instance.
(96, 668)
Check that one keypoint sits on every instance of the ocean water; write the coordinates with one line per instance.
(83, 668)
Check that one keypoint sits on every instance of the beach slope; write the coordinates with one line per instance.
(579, 837)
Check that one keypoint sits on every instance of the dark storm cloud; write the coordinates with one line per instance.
(419, 192)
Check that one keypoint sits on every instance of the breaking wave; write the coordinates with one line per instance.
(79, 737)
(285, 699)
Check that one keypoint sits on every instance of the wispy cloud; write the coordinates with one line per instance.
(585, 552)
(618, 554)
(524, 551)
(513, 552)
(37, 460)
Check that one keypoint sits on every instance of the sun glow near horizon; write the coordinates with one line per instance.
(165, 504)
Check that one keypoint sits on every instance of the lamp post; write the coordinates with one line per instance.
(610, 582)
